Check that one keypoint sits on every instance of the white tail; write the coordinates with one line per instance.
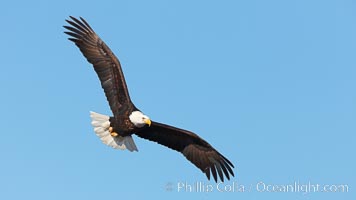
(101, 126)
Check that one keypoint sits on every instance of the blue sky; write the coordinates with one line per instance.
(270, 84)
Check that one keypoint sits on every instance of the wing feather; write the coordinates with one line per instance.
(105, 63)
(194, 148)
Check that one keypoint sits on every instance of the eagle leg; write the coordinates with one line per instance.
(112, 132)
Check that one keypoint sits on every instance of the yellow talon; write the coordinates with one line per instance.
(114, 134)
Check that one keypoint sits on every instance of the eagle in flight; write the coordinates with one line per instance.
(117, 130)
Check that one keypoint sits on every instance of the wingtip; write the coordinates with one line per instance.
(213, 171)
(73, 40)
(207, 173)
(73, 18)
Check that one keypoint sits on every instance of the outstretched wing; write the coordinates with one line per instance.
(105, 63)
(194, 148)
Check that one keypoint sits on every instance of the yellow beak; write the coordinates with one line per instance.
(148, 122)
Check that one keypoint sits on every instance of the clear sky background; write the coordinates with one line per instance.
(270, 84)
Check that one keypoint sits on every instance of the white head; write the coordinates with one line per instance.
(139, 119)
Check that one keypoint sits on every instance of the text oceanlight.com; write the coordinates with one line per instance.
(261, 186)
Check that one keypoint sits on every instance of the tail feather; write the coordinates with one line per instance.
(101, 126)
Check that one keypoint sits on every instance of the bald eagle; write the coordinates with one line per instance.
(117, 130)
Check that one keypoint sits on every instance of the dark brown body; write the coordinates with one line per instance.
(121, 122)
